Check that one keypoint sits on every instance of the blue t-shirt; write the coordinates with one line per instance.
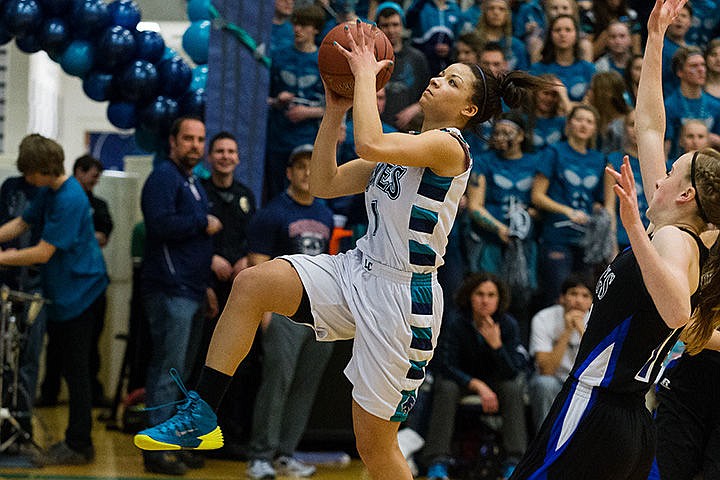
(671, 82)
(529, 12)
(575, 77)
(616, 159)
(680, 109)
(576, 180)
(705, 20)
(471, 17)
(282, 37)
(548, 131)
(295, 72)
(75, 275)
(285, 227)
(506, 180)
(515, 54)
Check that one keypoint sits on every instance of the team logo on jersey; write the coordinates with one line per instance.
(386, 177)
(604, 282)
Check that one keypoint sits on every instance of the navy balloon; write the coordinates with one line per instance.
(147, 140)
(5, 36)
(21, 16)
(55, 35)
(196, 41)
(122, 114)
(124, 13)
(198, 10)
(98, 86)
(117, 47)
(77, 59)
(150, 46)
(139, 81)
(28, 43)
(193, 103)
(199, 77)
(159, 114)
(175, 77)
(56, 7)
(89, 17)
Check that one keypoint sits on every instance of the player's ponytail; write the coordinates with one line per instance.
(515, 88)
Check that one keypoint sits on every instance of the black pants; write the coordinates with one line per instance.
(613, 440)
(688, 418)
(76, 337)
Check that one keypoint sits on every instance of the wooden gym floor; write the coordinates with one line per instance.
(117, 459)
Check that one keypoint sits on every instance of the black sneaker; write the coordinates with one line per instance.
(166, 463)
(61, 454)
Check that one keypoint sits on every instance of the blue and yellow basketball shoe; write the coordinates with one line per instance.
(193, 427)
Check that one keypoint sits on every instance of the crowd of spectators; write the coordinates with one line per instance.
(538, 224)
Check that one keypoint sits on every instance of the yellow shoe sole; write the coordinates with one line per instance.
(209, 441)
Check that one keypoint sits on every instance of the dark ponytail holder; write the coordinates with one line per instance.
(481, 112)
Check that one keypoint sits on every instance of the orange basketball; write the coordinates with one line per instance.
(334, 68)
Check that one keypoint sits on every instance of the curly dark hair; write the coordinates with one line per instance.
(471, 282)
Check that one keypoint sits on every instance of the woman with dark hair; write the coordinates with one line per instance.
(597, 20)
(479, 353)
(606, 95)
(599, 426)
(562, 57)
(384, 293)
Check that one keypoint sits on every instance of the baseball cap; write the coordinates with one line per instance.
(297, 151)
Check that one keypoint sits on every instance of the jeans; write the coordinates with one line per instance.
(171, 320)
(30, 366)
(557, 262)
(542, 390)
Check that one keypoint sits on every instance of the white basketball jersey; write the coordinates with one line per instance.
(411, 211)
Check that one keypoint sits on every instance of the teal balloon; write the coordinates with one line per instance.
(168, 54)
(198, 10)
(196, 41)
(77, 59)
(199, 77)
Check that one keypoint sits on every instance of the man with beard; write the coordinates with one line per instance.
(176, 272)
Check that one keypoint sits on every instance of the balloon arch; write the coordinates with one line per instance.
(147, 84)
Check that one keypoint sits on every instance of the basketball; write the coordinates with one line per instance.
(334, 68)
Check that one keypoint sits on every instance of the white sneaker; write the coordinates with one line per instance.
(260, 470)
(292, 467)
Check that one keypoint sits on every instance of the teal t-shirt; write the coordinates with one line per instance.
(75, 275)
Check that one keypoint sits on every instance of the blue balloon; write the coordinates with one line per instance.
(139, 81)
(175, 77)
(56, 7)
(196, 41)
(98, 86)
(122, 114)
(55, 35)
(77, 59)
(159, 115)
(198, 10)
(125, 13)
(22, 16)
(150, 46)
(193, 103)
(199, 77)
(168, 54)
(89, 17)
(116, 48)
(28, 43)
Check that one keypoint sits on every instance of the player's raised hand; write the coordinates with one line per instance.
(663, 14)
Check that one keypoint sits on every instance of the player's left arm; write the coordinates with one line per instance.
(669, 266)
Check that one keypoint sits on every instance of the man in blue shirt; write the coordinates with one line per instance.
(73, 279)
(176, 271)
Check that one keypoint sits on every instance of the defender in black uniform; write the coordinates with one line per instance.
(598, 427)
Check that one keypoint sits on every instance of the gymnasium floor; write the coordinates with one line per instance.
(117, 459)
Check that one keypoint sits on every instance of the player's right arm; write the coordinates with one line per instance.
(327, 180)
(650, 119)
